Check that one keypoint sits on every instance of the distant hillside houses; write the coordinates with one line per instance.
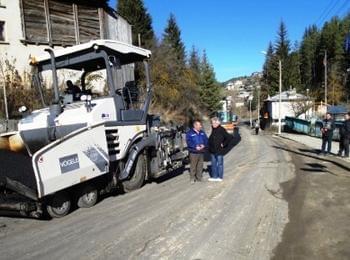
(244, 86)
(235, 85)
(246, 83)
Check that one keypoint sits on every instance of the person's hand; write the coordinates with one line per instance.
(198, 148)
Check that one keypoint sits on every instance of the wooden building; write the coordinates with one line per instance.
(27, 27)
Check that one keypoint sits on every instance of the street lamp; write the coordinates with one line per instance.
(280, 97)
(258, 87)
(308, 103)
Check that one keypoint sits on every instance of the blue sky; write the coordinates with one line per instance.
(234, 32)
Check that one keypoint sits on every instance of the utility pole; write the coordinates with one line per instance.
(139, 39)
(325, 77)
(258, 104)
(250, 111)
(5, 96)
(280, 97)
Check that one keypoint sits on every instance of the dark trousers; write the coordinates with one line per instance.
(327, 141)
(196, 166)
(341, 145)
(346, 146)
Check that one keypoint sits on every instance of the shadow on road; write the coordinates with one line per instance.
(171, 175)
(305, 152)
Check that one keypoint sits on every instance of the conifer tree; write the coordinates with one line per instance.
(282, 49)
(308, 57)
(194, 60)
(210, 92)
(270, 73)
(135, 12)
(172, 38)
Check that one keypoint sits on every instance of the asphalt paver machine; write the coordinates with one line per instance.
(72, 150)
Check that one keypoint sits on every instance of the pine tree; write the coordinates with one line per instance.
(135, 12)
(172, 38)
(270, 73)
(282, 45)
(282, 48)
(308, 57)
(292, 73)
(336, 89)
(194, 60)
(210, 92)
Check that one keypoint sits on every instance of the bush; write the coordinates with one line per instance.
(19, 90)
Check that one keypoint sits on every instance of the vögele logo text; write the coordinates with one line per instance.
(69, 163)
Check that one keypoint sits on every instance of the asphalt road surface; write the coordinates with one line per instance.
(244, 217)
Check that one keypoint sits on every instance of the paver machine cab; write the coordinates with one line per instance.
(77, 150)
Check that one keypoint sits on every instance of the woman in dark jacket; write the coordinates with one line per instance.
(219, 141)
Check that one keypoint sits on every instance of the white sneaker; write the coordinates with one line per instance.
(218, 179)
(211, 179)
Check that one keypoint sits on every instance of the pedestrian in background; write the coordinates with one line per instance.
(219, 140)
(327, 129)
(197, 142)
(257, 127)
(346, 138)
(341, 139)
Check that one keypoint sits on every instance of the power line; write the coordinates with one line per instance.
(341, 7)
(324, 11)
(329, 11)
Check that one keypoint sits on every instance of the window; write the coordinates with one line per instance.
(2, 31)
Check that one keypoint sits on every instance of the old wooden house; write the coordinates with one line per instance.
(27, 27)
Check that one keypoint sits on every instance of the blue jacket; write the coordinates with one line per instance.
(193, 139)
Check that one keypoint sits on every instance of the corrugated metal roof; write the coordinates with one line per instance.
(288, 95)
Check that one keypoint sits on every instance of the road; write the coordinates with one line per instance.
(243, 217)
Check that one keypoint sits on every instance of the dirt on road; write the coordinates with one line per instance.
(260, 211)
(319, 206)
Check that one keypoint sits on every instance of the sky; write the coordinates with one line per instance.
(234, 32)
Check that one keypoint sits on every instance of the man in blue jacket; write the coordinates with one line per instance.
(197, 142)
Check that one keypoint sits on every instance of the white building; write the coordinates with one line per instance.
(292, 105)
(27, 27)
(236, 85)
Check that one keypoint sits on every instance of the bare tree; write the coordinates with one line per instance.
(300, 107)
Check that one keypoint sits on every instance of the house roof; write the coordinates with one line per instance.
(288, 95)
(120, 48)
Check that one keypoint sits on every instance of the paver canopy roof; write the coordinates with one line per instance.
(121, 49)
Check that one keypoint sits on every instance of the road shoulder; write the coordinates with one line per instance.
(319, 206)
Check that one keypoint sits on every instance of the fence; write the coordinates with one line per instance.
(309, 127)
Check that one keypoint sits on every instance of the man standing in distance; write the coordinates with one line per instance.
(346, 139)
(197, 141)
(327, 134)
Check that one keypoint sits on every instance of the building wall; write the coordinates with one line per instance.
(17, 52)
(286, 110)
